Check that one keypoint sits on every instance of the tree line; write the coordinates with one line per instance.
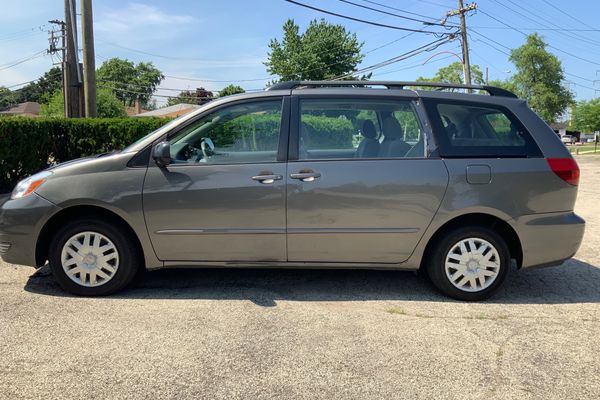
(323, 51)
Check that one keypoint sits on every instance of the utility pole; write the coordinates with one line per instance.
(72, 75)
(55, 48)
(89, 63)
(462, 10)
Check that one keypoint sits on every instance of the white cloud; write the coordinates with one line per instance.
(138, 22)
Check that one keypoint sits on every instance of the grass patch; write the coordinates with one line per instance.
(583, 149)
(423, 315)
(480, 317)
(483, 317)
(396, 310)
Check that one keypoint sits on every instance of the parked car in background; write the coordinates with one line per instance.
(568, 139)
(312, 175)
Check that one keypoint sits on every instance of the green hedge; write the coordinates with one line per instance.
(334, 133)
(28, 145)
(261, 132)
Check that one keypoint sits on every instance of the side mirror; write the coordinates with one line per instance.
(162, 154)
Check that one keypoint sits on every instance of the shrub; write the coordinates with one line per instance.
(28, 145)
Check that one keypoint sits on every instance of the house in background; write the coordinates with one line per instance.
(170, 111)
(560, 128)
(27, 109)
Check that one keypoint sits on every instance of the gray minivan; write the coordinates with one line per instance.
(312, 175)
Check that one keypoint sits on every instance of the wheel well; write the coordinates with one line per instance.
(75, 212)
(501, 227)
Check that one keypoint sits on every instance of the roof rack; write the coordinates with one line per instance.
(492, 90)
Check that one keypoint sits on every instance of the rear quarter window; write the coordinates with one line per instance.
(468, 129)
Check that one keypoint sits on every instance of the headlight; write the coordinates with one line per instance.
(28, 185)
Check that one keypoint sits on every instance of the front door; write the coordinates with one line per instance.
(360, 188)
(223, 196)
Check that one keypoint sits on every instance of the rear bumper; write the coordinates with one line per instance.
(550, 238)
(20, 223)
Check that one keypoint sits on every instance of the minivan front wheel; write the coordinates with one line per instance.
(469, 263)
(93, 258)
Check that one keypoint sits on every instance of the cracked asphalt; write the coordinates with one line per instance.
(261, 334)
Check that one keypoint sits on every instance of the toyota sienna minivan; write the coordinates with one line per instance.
(381, 175)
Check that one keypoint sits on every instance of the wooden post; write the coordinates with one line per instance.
(89, 62)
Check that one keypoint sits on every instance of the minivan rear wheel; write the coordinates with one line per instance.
(469, 263)
(91, 257)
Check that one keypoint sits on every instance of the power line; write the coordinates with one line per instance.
(204, 60)
(549, 45)
(272, 76)
(493, 41)
(545, 22)
(580, 77)
(418, 63)
(398, 9)
(21, 37)
(390, 13)
(364, 21)
(39, 28)
(550, 23)
(19, 84)
(486, 61)
(565, 72)
(160, 87)
(218, 81)
(23, 60)
(538, 29)
(428, 47)
(570, 16)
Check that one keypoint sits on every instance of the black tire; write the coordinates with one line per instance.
(130, 258)
(435, 262)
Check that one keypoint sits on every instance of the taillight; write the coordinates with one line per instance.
(566, 169)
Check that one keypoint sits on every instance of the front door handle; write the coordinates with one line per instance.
(306, 176)
(267, 177)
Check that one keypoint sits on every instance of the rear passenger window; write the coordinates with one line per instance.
(342, 129)
(471, 130)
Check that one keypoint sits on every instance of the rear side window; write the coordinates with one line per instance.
(358, 128)
(474, 130)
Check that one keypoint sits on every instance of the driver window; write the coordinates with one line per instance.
(242, 133)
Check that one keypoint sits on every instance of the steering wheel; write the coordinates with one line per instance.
(207, 146)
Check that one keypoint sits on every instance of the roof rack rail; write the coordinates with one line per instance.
(492, 90)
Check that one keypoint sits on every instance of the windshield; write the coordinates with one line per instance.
(132, 146)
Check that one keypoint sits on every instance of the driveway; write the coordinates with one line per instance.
(258, 334)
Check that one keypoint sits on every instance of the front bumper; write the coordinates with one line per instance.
(550, 238)
(21, 221)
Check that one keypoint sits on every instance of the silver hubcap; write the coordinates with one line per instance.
(472, 264)
(90, 259)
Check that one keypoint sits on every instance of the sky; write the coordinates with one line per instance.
(201, 43)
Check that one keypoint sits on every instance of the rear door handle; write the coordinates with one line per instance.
(267, 177)
(306, 176)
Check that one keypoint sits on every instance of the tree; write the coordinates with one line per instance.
(199, 96)
(129, 81)
(8, 98)
(454, 73)
(55, 106)
(507, 84)
(538, 79)
(323, 51)
(41, 90)
(231, 89)
(585, 116)
(109, 106)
